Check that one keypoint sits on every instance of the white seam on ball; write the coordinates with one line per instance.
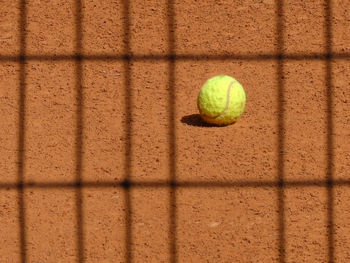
(227, 101)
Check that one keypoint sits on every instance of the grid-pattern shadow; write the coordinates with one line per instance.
(172, 184)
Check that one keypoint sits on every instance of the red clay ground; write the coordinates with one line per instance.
(213, 224)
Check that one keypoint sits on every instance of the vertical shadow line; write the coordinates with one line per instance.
(281, 130)
(79, 131)
(329, 148)
(128, 133)
(21, 132)
(172, 166)
(172, 134)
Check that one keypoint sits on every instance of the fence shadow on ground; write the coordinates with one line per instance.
(193, 120)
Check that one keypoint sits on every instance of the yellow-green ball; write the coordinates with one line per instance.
(221, 100)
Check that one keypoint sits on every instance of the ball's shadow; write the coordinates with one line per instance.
(196, 120)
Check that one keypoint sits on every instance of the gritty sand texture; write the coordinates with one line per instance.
(104, 158)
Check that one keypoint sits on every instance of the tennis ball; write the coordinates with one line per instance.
(221, 100)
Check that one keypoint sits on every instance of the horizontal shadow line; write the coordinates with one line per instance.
(167, 57)
(182, 184)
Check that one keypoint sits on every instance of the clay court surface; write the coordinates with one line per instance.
(104, 158)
